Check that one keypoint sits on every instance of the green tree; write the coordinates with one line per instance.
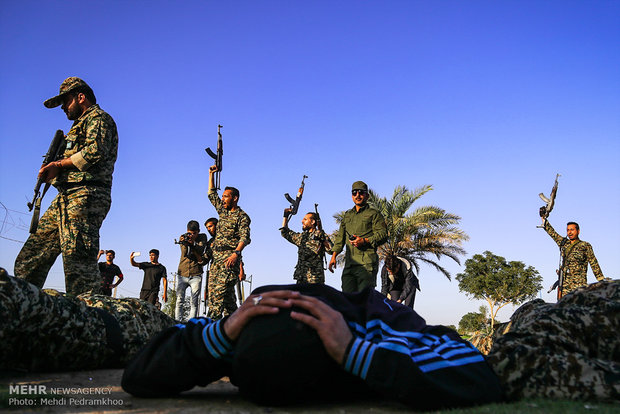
(424, 235)
(473, 322)
(498, 281)
(170, 306)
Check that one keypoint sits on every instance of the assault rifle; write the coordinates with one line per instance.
(295, 203)
(239, 285)
(217, 156)
(205, 296)
(550, 201)
(53, 153)
(561, 271)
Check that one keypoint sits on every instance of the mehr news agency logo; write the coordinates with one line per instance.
(42, 395)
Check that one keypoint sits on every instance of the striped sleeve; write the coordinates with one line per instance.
(216, 341)
(429, 369)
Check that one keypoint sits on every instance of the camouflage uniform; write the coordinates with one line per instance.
(310, 255)
(566, 350)
(71, 224)
(575, 257)
(233, 226)
(45, 330)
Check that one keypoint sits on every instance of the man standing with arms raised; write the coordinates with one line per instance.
(576, 254)
(108, 272)
(83, 178)
(153, 273)
(231, 237)
(362, 231)
(311, 243)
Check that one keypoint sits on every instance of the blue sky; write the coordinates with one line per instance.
(486, 101)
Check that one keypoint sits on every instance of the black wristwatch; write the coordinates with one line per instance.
(238, 252)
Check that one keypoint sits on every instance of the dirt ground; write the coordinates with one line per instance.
(100, 391)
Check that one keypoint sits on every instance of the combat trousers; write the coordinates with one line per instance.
(69, 226)
(44, 330)
(568, 350)
(221, 285)
(193, 282)
(358, 277)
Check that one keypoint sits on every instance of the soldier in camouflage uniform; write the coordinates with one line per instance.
(311, 244)
(83, 178)
(576, 254)
(567, 350)
(231, 236)
(45, 330)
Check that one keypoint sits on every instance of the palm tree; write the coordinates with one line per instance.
(418, 236)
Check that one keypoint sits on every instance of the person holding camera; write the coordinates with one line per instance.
(362, 230)
(108, 271)
(193, 244)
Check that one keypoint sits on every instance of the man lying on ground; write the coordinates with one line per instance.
(294, 343)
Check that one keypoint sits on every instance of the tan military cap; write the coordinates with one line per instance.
(66, 86)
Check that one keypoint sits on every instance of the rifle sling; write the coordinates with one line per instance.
(568, 252)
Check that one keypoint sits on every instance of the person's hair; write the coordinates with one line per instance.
(87, 91)
(193, 225)
(154, 251)
(233, 190)
(211, 220)
(111, 251)
(391, 261)
(313, 216)
(572, 222)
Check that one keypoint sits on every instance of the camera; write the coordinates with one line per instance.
(184, 239)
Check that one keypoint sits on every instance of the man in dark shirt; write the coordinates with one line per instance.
(306, 342)
(108, 270)
(193, 245)
(153, 273)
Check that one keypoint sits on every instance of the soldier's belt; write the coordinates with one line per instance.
(222, 248)
(71, 185)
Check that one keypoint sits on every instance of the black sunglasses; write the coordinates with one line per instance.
(362, 192)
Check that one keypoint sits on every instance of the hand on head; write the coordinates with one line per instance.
(267, 303)
(327, 322)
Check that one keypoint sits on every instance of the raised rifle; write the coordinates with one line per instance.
(295, 203)
(217, 156)
(53, 153)
(549, 201)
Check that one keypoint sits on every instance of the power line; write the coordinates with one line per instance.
(10, 222)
